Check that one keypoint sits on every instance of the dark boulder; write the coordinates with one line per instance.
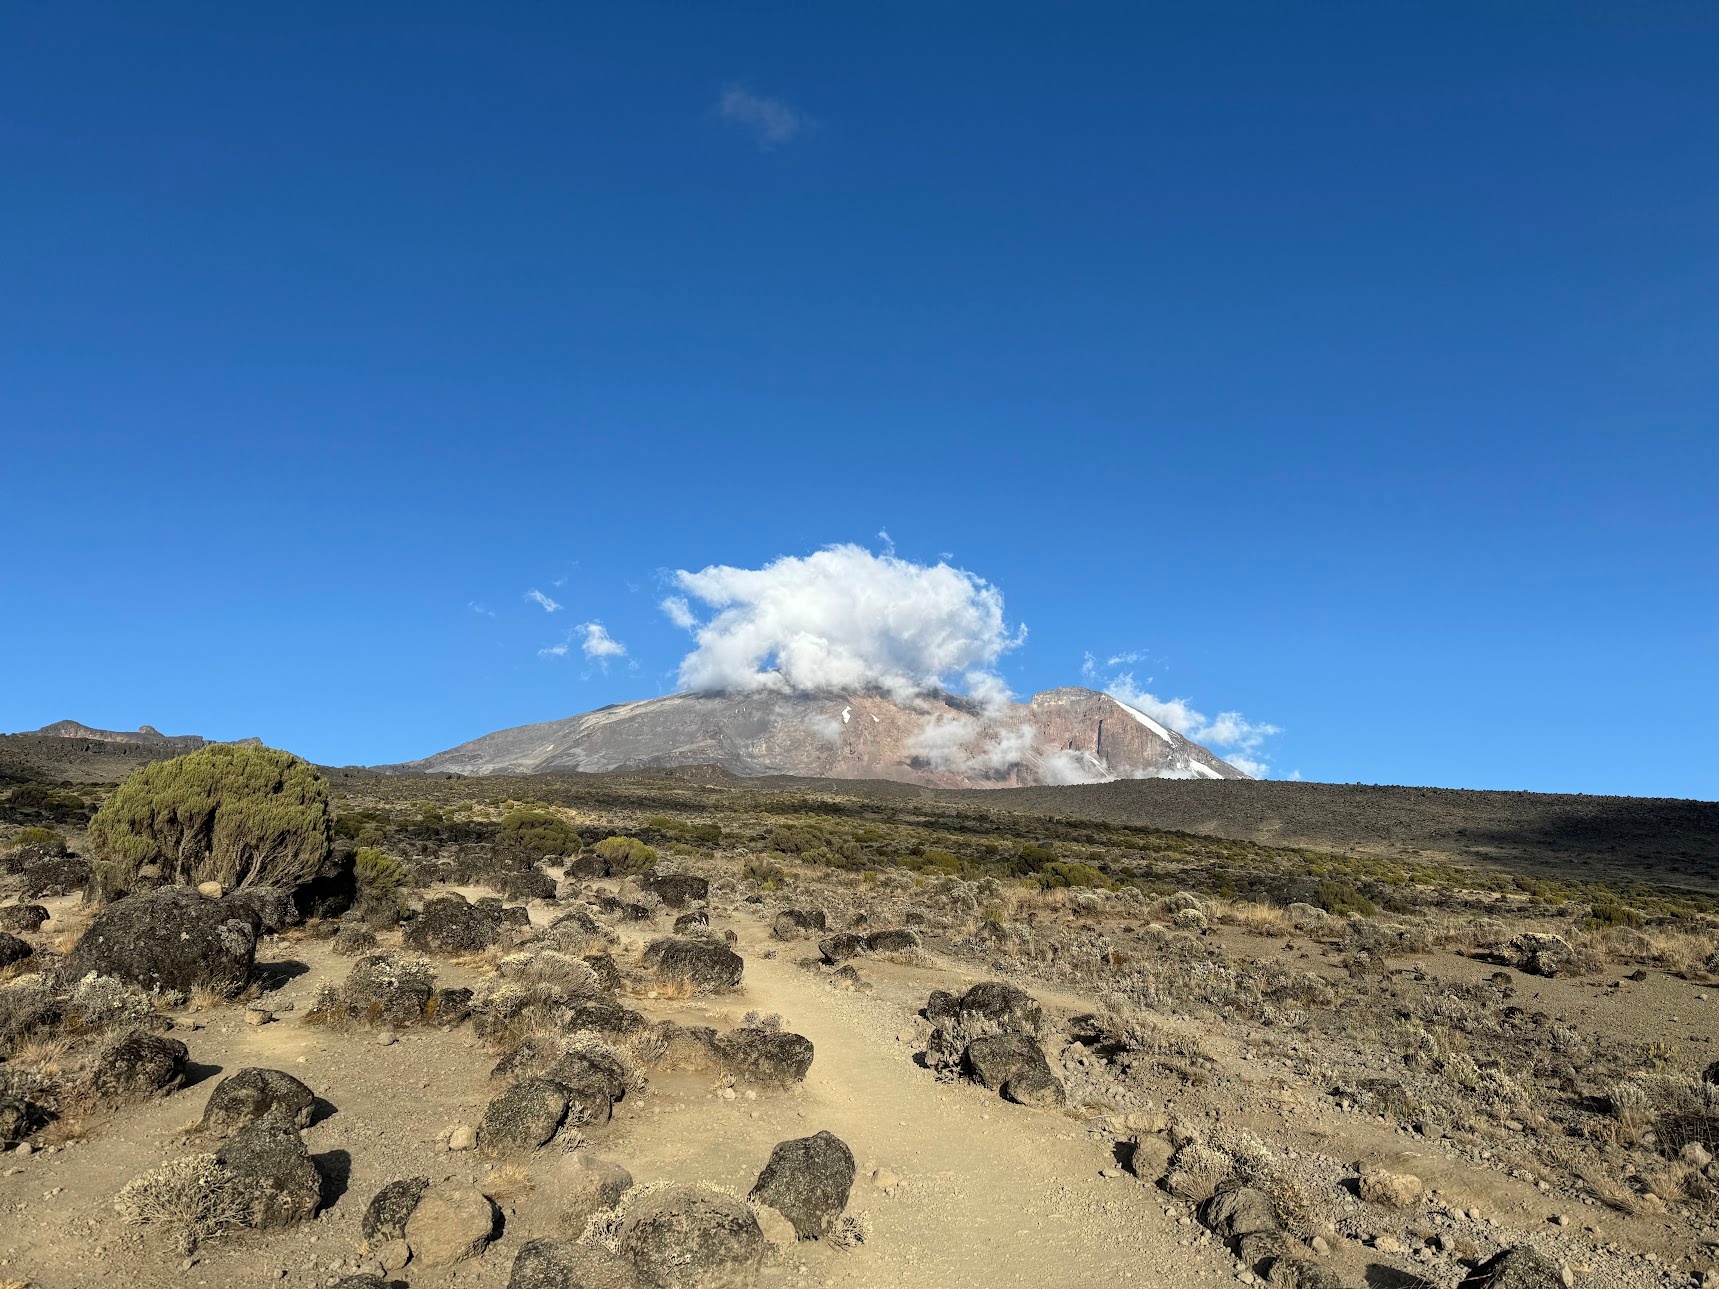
(1521, 1266)
(448, 924)
(699, 963)
(523, 1118)
(1238, 1212)
(1014, 1065)
(897, 941)
(22, 917)
(12, 949)
(605, 969)
(796, 924)
(272, 907)
(18, 1119)
(139, 1065)
(807, 1181)
(449, 1006)
(677, 890)
(690, 921)
(253, 1094)
(839, 948)
(173, 939)
(389, 1209)
(275, 1172)
(593, 1081)
(686, 1238)
(765, 1055)
(46, 878)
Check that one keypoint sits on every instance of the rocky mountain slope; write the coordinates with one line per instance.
(941, 740)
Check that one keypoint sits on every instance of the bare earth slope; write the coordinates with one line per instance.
(941, 740)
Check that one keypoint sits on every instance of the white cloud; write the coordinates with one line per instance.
(825, 727)
(548, 605)
(598, 642)
(1239, 739)
(844, 618)
(477, 608)
(771, 121)
(553, 651)
(679, 612)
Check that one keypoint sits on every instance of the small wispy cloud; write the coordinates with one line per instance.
(479, 609)
(771, 121)
(678, 611)
(599, 644)
(553, 651)
(548, 605)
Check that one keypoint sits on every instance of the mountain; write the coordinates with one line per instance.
(145, 734)
(940, 740)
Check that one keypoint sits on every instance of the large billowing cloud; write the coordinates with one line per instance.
(842, 619)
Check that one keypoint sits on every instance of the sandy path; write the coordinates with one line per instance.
(991, 1193)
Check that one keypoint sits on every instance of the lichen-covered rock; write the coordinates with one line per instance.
(1393, 1190)
(1521, 1266)
(993, 1007)
(807, 1181)
(593, 1080)
(275, 1172)
(687, 1238)
(272, 907)
(139, 1065)
(391, 1208)
(523, 1118)
(253, 1094)
(451, 1223)
(606, 970)
(1237, 1212)
(48, 878)
(900, 940)
(839, 948)
(677, 890)
(1014, 1066)
(22, 917)
(381, 989)
(18, 1119)
(702, 964)
(768, 1056)
(584, 1185)
(797, 924)
(449, 924)
(691, 922)
(172, 939)
(1540, 954)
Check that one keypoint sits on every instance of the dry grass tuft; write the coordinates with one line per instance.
(507, 1184)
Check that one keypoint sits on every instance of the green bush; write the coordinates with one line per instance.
(240, 816)
(534, 834)
(1340, 898)
(1036, 856)
(378, 875)
(37, 836)
(1053, 875)
(1612, 912)
(626, 856)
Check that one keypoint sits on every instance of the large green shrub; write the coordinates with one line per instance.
(626, 856)
(240, 816)
(534, 834)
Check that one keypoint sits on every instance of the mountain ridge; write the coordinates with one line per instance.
(1058, 736)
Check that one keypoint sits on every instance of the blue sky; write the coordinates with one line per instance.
(1354, 366)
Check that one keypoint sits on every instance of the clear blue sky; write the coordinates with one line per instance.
(1356, 365)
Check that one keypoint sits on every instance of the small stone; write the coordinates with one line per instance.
(210, 890)
(884, 1180)
(1320, 1245)
(393, 1255)
(463, 1137)
(1387, 1244)
(387, 1038)
(258, 1015)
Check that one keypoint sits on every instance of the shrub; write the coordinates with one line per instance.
(1056, 874)
(1341, 898)
(378, 875)
(189, 1199)
(239, 816)
(534, 834)
(38, 836)
(626, 856)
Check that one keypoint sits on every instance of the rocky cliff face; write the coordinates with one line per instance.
(942, 740)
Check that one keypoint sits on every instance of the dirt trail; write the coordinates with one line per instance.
(991, 1193)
